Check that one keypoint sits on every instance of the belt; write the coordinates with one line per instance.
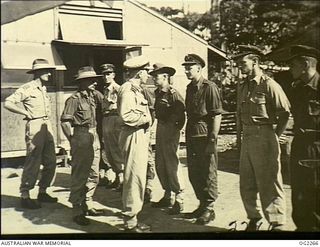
(83, 127)
(143, 126)
(257, 126)
(43, 118)
(109, 114)
(307, 131)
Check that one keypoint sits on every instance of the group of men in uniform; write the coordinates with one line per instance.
(128, 113)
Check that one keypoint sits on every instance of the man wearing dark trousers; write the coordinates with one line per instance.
(204, 107)
(169, 110)
(305, 150)
(80, 115)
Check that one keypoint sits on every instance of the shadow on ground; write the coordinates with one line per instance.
(57, 214)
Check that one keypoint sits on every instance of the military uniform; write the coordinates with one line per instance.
(203, 103)
(305, 153)
(134, 141)
(260, 101)
(39, 136)
(80, 110)
(111, 126)
(169, 110)
(149, 95)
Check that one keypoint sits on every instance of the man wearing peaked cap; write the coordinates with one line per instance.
(247, 50)
(303, 50)
(111, 124)
(39, 136)
(204, 108)
(261, 104)
(169, 110)
(305, 155)
(107, 68)
(80, 114)
(139, 62)
(192, 59)
(134, 141)
(159, 68)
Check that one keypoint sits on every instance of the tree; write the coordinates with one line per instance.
(268, 24)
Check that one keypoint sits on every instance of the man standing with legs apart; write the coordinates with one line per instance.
(39, 136)
(134, 141)
(261, 103)
(169, 109)
(80, 114)
(111, 123)
(204, 107)
(305, 151)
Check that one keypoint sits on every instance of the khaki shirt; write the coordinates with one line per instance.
(34, 98)
(80, 108)
(109, 104)
(133, 106)
(263, 103)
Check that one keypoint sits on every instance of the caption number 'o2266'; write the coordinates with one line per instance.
(309, 243)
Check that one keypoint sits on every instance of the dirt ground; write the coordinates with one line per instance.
(56, 218)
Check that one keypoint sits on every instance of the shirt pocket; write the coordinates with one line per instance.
(142, 104)
(84, 112)
(314, 107)
(258, 105)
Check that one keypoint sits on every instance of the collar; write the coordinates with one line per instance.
(313, 83)
(199, 82)
(85, 94)
(135, 83)
(257, 78)
(165, 90)
(37, 84)
(111, 85)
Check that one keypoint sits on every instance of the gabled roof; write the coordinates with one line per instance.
(15, 10)
(210, 47)
(213, 48)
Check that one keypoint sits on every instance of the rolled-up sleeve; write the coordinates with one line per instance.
(278, 99)
(69, 110)
(213, 101)
(18, 96)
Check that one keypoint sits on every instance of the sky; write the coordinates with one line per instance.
(200, 6)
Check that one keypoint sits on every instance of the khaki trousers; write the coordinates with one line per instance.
(260, 172)
(85, 152)
(40, 150)
(134, 143)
